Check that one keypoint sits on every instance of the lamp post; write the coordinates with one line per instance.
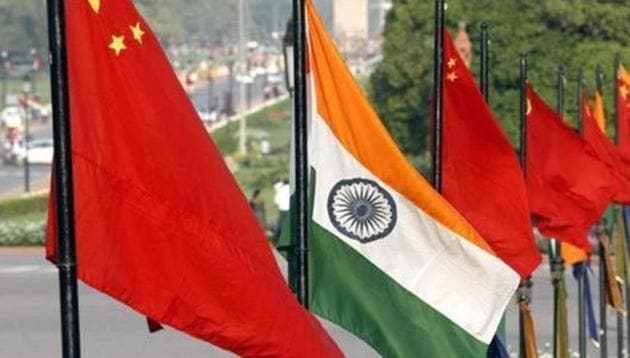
(36, 67)
(27, 88)
(287, 49)
(210, 99)
(4, 56)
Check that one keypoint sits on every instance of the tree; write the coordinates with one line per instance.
(571, 33)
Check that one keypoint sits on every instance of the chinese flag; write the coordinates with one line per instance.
(623, 111)
(161, 224)
(568, 186)
(481, 176)
(594, 124)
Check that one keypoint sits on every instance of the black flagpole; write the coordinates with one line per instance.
(66, 255)
(524, 291)
(582, 279)
(603, 342)
(301, 161)
(437, 94)
(557, 262)
(484, 72)
(484, 63)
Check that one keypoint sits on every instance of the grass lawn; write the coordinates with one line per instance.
(257, 171)
(41, 87)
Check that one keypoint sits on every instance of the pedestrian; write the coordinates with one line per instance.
(282, 200)
(258, 206)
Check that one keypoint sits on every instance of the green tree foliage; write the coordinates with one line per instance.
(23, 22)
(571, 33)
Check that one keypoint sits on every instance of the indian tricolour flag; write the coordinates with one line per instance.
(389, 259)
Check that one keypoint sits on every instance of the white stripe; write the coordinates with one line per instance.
(465, 283)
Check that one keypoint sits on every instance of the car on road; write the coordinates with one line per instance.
(40, 151)
(11, 117)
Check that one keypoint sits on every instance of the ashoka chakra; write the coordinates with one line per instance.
(361, 209)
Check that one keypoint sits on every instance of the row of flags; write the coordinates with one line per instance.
(162, 226)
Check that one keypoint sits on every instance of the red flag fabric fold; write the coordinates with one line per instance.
(568, 186)
(618, 165)
(481, 176)
(161, 224)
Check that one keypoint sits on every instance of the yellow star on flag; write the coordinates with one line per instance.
(624, 91)
(137, 32)
(451, 63)
(452, 76)
(118, 44)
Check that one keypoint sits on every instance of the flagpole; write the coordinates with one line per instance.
(582, 265)
(301, 161)
(484, 63)
(557, 262)
(603, 343)
(66, 255)
(437, 94)
(524, 290)
(484, 72)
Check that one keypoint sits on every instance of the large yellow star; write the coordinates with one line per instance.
(624, 91)
(452, 76)
(137, 32)
(118, 44)
(451, 63)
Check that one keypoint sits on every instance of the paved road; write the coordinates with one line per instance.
(30, 321)
(28, 307)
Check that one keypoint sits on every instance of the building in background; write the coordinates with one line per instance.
(377, 11)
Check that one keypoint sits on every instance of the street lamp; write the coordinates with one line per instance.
(287, 49)
(27, 88)
(4, 57)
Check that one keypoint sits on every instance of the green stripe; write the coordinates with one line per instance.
(347, 289)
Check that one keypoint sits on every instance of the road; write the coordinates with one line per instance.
(30, 321)
(12, 177)
(30, 318)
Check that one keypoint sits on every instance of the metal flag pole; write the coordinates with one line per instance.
(438, 69)
(242, 101)
(66, 255)
(524, 290)
(624, 290)
(582, 278)
(555, 255)
(484, 71)
(301, 161)
(484, 63)
(603, 341)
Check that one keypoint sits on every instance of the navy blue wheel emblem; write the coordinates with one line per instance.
(361, 209)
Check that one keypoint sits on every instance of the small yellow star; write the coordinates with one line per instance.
(118, 44)
(528, 110)
(137, 32)
(451, 63)
(452, 76)
(624, 91)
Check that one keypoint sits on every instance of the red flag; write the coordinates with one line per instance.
(618, 165)
(481, 176)
(161, 224)
(623, 111)
(567, 185)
